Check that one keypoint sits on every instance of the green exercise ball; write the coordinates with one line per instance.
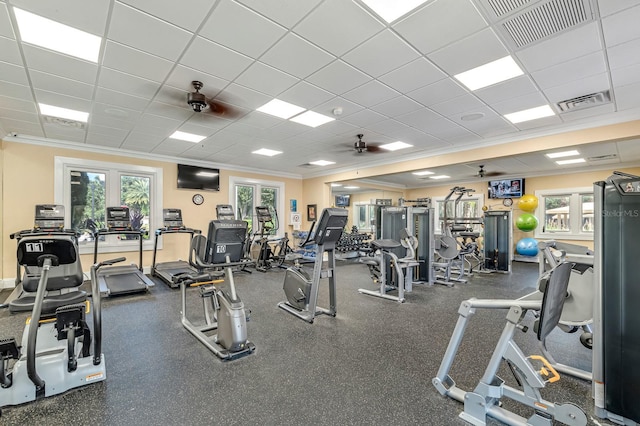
(528, 203)
(527, 222)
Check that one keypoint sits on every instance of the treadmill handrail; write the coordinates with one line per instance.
(99, 232)
(167, 230)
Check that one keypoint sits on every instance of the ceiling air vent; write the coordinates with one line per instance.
(63, 122)
(585, 101)
(503, 7)
(603, 157)
(549, 18)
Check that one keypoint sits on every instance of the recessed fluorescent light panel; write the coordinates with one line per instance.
(267, 152)
(189, 137)
(530, 114)
(53, 35)
(69, 114)
(572, 161)
(322, 163)
(491, 73)
(280, 109)
(312, 119)
(392, 10)
(562, 154)
(394, 146)
(439, 177)
(351, 187)
(422, 173)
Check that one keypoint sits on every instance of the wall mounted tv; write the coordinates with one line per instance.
(202, 178)
(343, 200)
(506, 188)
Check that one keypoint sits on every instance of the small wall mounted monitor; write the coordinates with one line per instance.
(506, 188)
(201, 178)
(225, 238)
(343, 200)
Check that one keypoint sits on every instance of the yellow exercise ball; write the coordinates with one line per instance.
(528, 203)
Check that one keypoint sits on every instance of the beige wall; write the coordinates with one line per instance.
(28, 176)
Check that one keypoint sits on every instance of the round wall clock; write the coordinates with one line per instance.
(507, 202)
(197, 199)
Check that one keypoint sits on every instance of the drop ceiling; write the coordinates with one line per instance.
(390, 82)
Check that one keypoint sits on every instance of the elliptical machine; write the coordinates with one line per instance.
(55, 355)
(301, 288)
(214, 258)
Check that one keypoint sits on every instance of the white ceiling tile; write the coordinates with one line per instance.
(589, 112)
(437, 92)
(370, 94)
(366, 57)
(182, 77)
(350, 26)
(222, 27)
(520, 103)
(55, 131)
(117, 134)
(245, 97)
(389, 128)
(266, 79)
(424, 120)
(364, 118)
(158, 38)
(13, 114)
(53, 83)
(580, 87)
(575, 69)
(285, 12)
(125, 83)
(169, 111)
(346, 106)
(627, 96)
(626, 75)
(172, 146)
(13, 74)
(490, 125)
(507, 89)
(215, 59)
(136, 62)
(307, 59)
(17, 91)
(185, 13)
(479, 49)
(567, 45)
(622, 26)
(21, 127)
(607, 7)
(112, 97)
(104, 119)
(141, 139)
(6, 29)
(540, 122)
(453, 106)
(9, 51)
(413, 75)
(60, 100)
(338, 77)
(26, 105)
(305, 95)
(397, 106)
(439, 24)
(622, 55)
(85, 16)
(100, 139)
(175, 97)
(197, 130)
(156, 125)
(58, 64)
(206, 120)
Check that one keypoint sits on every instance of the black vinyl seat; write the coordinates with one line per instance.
(63, 282)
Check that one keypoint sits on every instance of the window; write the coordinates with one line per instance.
(565, 213)
(246, 194)
(86, 188)
(365, 216)
(469, 211)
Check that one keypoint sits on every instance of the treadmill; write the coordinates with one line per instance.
(172, 224)
(225, 212)
(125, 279)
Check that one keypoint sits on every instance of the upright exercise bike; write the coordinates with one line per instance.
(55, 355)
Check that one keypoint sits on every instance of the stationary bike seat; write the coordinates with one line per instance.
(385, 244)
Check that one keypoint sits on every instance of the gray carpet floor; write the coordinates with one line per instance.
(371, 365)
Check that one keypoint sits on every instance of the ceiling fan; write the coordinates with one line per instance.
(361, 146)
(200, 103)
(483, 173)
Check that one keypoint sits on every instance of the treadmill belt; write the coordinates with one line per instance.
(124, 283)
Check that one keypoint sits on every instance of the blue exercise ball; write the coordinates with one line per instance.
(527, 247)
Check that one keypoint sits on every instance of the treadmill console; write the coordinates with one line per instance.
(225, 212)
(49, 217)
(263, 214)
(172, 219)
(118, 219)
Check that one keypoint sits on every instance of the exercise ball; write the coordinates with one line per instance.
(527, 247)
(528, 203)
(527, 222)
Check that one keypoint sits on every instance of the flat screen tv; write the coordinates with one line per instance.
(343, 200)
(506, 188)
(202, 178)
